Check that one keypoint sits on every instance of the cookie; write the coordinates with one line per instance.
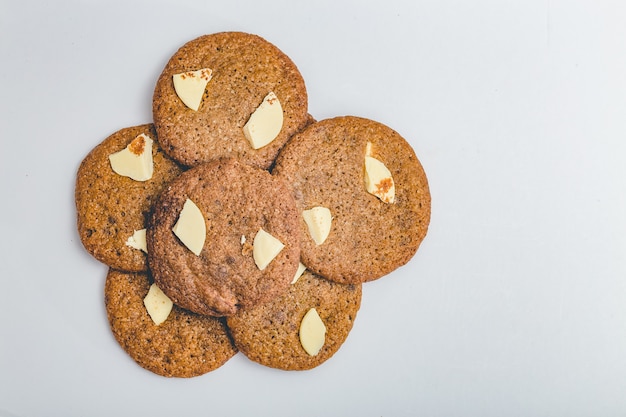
(324, 166)
(269, 334)
(236, 203)
(184, 345)
(111, 207)
(243, 69)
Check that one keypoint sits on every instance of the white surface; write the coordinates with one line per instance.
(515, 305)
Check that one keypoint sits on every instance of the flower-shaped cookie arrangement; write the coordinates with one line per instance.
(237, 222)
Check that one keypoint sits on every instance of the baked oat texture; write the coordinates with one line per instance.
(269, 333)
(245, 69)
(184, 345)
(236, 200)
(324, 166)
(110, 207)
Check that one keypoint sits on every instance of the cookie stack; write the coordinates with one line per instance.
(237, 222)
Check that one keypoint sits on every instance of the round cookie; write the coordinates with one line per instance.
(236, 201)
(269, 333)
(245, 68)
(324, 165)
(111, 207)
(184, 345)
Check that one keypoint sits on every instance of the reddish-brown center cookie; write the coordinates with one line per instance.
(236, 202)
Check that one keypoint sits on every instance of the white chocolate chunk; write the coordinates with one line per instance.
(265, 248)
(378, 180)
(299, 272)
(190, 227)
(138, 240)
(158, 304)
(319, 221)
(312, 332)
(190, 85)
(134, 161)
(265, 123)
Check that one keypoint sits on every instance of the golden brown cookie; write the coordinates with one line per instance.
(269, 334)
(324, 166)
(236, 202)
(111, 207)
(184, 345)
(245, 68)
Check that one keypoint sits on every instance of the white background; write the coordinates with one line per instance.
(515, 304)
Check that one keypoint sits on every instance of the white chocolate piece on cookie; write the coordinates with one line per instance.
(299, 272)
(319, 221)
(157, 304)
(265, 248)
(378, 178)
(190, 86)
(312, 332)
(134, 161)
(265, 123)
(190, 227)
(138, 240)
